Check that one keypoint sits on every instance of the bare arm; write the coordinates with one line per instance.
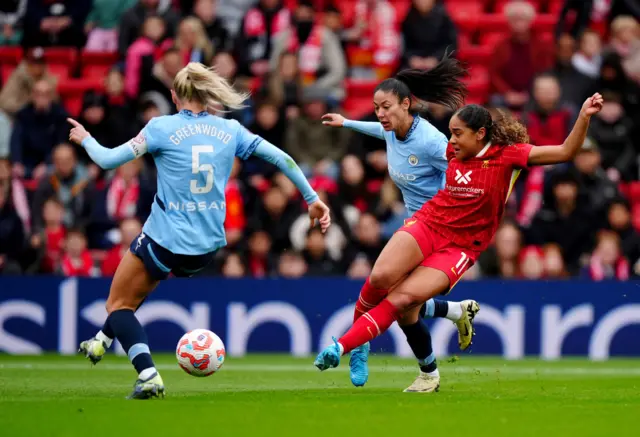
(543, 155)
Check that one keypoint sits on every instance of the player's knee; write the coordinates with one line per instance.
(404, 301)
(382, 278)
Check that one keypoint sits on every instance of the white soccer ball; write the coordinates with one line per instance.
(200, 352)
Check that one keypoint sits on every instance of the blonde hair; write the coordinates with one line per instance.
(202, 40)
(204, 85)
(624, 22)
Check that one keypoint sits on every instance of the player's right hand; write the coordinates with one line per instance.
(319, 211)
(335, 120)
(78, 133)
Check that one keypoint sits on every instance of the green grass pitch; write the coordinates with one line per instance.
(284, 396)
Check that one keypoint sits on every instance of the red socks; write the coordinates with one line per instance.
(366, 328)
(367, 300)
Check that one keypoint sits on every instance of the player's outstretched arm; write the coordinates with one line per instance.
(317, 209)
(107, 159)
(543, 155)
(371, 128)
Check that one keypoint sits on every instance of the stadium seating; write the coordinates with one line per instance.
(10, 57)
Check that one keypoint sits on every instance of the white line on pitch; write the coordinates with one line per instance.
(452, 369)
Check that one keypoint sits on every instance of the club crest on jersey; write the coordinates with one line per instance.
(485, 164)
(413, 160)
(463, 178)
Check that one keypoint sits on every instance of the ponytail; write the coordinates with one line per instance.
(504, 130)
(442, 84)
(204, 85)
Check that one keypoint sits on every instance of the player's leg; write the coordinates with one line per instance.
(460, 313)
(419, 338)
(399, 256)
(421, 285)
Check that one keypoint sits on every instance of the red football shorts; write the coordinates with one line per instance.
(440, 253)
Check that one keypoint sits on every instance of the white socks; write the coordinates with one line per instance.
(341, 348)
(454, 313)
(146, 373)
(103, 338)
(434, 374)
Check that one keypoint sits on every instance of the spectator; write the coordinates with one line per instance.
(225, 65)
(260, 26)
(5, 136)
(102, 24)
(133, 19)
(70, 183)
(193, 42)
(233, 266)
(236, 219)
(625, 41)
(368, 241)
(261, 260)
(587, 59)
(333, 19)
(284, 86)
(12, 232)
(292, 265)
(48, 240)
(611, 130)
(58, 23)
(592, 179)
(17, 193)
(93, 118)
(427, 32)
(275, 215)
(352, 184)
(269, 124)
(517, 59)
(11, 16)
(232, 13)
(554, 267)
(129, 229)
(613, 78)
(149, 43)
(502, 260)
(374, 30)
(619, 220)
(566, 219)
(575, 86)
(316, 256)
(315, 147)
(531, 263)
(206, 11)
(129, 194)
(360, 268)
(18, 90)
(119, 113)
(321, 60)
(607, 261)
(157, 79)
(39, 126)
(595, 14)
(547, 120)
(76, 258)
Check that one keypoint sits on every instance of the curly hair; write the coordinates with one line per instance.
(503, 130)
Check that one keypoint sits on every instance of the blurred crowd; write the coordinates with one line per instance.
(59, 213)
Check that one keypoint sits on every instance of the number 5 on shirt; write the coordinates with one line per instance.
(197, 167)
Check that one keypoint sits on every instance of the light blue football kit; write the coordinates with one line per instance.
(417, 164)
(194, 155)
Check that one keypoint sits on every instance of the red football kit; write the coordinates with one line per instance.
(454, 227)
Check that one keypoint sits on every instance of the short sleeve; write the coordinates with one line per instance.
(518, 155)
(246, 142)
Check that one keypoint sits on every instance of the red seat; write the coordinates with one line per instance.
(97, 64)
(461, 10)
(61, 61)
(545, 23)
(358, 107)
(72, 91)
(10, 57)
(491, 39)
(475, 54)
(360, 88)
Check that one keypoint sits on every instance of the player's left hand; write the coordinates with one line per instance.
(78, 133)
(319, 211)
(592, 105)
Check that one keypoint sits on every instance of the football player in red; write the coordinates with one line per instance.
(451, 230)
